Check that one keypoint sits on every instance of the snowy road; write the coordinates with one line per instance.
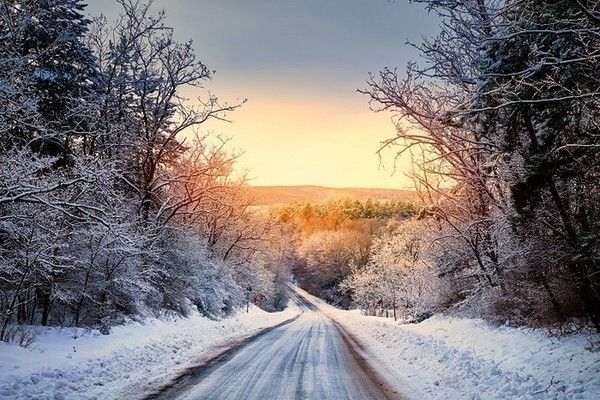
(306, 359)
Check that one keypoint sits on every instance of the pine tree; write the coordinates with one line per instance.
(538, 101)
(47, 37)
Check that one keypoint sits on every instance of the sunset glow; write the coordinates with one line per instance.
(312, 141)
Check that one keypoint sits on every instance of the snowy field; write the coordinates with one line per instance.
(443, 358)
(133, 359)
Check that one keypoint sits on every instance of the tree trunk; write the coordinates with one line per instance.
(555, 304)
(577, 269)
(9, 312)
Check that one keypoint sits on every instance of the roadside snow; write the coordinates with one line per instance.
(132, 360)
(444, 358)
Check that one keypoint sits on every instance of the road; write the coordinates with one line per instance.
(308, 358)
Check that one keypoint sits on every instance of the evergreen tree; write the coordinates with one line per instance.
(47, 37)
(538, 101)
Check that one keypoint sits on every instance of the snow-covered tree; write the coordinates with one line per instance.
(499, 116)
(105, 210)
(330, 256)
(44, 40)
(399, 276)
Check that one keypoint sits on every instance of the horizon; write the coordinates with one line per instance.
(331, 187)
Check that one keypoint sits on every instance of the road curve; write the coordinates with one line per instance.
(305, 359)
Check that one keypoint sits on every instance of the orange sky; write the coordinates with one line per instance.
(317, 141)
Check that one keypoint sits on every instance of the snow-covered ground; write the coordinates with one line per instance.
(440, 358)
(444, 358)
(132, 360)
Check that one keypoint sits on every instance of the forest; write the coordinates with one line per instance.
(333, 239)
(112, 203)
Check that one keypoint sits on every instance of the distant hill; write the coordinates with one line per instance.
(275, 195)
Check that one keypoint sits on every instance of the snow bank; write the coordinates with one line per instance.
(444, 358)
(134, 358)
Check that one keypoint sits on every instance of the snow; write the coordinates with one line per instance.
(453, 358)
(133, 360)
(440, 358)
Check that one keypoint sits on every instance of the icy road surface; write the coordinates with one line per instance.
(308, 358)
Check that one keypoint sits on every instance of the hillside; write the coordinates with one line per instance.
(272, 195)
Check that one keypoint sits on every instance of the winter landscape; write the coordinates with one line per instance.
(319, 199)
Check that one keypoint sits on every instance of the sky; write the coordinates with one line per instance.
(299, 63)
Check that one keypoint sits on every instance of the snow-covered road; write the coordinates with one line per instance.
(308, 358)
(309, 351)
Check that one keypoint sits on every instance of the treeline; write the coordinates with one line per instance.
(110, 204)
(501, 118)
(334, 238)
(334, 213)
